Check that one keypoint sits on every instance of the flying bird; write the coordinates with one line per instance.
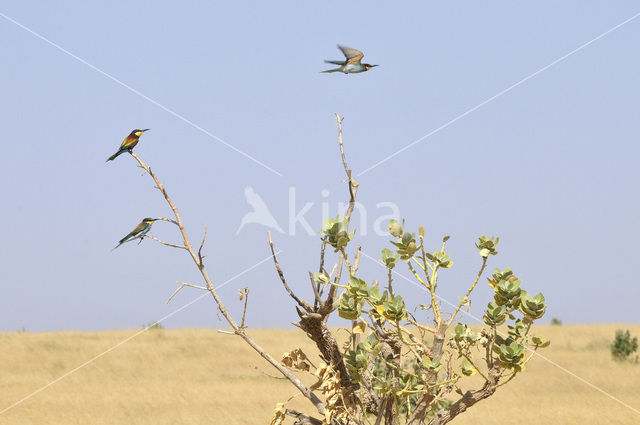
(128, 143)
(352, 65)
(139, 232)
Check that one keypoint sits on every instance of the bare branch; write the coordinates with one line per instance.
(320, 289)
(182, 285)
(166, 219)
(353, 184)
(178, 289)
(204, 237)
(300, 302)
(244, 292)
(209, 285)
(268, 374)
(303, 419)
(356, 263)
(327, 306)
(316, 294)
(172, 245)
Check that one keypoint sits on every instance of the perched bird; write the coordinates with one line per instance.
(352, 65)
(139, 232)
(128, 143)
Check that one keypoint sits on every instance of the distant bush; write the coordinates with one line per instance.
(624, 346)
(153, 326)
(556, 322)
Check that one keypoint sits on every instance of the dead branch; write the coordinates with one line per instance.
(268, 374)
(316, 294)
(320, 289)
(328, 306)
(302, 419)
(244, 293)
(182, 285)
(356, 263)
(353, 184)
(204, 237)
(164, 218)
(300, 302)
(172, 245)
(209, 285)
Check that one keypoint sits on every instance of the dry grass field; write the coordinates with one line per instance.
(198, 377)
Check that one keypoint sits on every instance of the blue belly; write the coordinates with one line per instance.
(354, 69)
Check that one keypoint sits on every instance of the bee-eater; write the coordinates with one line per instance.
(139, 232)
(352, 65)
(128, 143)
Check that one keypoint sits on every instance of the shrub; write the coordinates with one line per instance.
(405, 359)
(624, 346)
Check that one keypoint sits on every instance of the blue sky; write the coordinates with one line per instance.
(550, 166)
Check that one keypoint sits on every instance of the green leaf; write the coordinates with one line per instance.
(467, 369)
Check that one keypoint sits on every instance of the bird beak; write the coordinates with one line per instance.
(146, 129)
(373, 66)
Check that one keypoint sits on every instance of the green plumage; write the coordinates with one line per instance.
(139, 232)
(128, 143)
(352, 64)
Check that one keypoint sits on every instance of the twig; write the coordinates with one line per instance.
(353, 184)
(182, 285)
(316, 294)
(268, 374)
(166, 219)
(332, 289)
(172, 245)
(205, 275)
(303, 419)
(473, 285)
(320, 290)
(204, 237)
(246, 300)
(300, 302)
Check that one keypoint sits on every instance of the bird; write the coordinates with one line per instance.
(139, 232)
(352, 65)
(128, 143)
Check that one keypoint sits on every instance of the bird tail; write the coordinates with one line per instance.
(337, 62)
(116, 246)
(332, 70)
(114, 156)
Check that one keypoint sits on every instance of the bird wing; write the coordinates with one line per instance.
(353, 56)
(129, 142)
(135, 232)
